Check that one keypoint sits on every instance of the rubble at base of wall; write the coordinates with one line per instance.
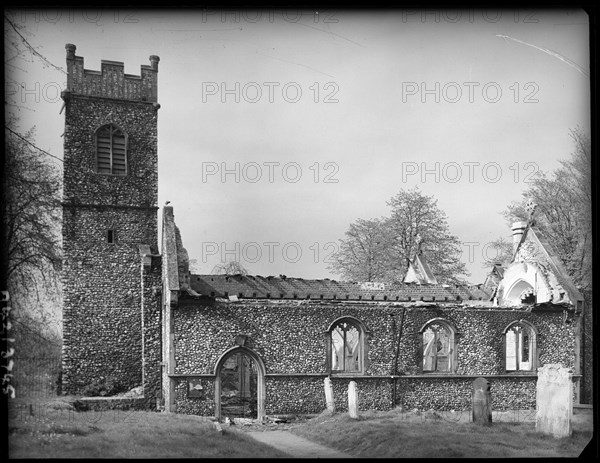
(110, 403)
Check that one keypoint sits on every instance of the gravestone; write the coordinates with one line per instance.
(481, 401)
(329, 395)
(554, 400)
(352, 400)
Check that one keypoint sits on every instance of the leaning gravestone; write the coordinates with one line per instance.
(329, 395)
(554, 400)
(481, 401)
(352, 400)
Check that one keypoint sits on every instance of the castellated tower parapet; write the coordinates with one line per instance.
(111, 81)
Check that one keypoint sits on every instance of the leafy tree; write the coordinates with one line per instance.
(564, 211)
(381, 249)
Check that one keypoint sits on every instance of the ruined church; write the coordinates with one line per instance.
(252, 346)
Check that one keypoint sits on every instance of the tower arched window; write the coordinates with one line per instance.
(111, 150)
(346, 346)
(439, 350)
(520, 347)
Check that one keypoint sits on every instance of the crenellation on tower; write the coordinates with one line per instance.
(111, 81)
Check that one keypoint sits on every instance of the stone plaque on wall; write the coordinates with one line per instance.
(195, 388)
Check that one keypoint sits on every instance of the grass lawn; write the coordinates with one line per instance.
(398, 434)
(54, 431)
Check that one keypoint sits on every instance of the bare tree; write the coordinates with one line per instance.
(499, 251)
(31, 185)
(30, 243)
(362, 254)
(229, 268)
(193, 265)
(31, 221)
(418, 224)
(564, 211)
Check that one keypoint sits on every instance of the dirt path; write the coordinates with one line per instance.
(295, 446)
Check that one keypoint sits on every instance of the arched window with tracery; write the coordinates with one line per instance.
(439, 351)
(520, 339)
(111, 150)
(346, 346)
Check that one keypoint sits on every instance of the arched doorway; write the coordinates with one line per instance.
(239, 388)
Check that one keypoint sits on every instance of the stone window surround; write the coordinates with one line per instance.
(111, 235)
(112, 127)
(452, 357)
(362, 346)
(534, 353)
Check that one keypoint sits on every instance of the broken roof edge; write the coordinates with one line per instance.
(259, 287)
(372, 285)
(190, 300)
(555, 262)
(169, 250)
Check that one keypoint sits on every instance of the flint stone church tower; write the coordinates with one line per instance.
(111, 274)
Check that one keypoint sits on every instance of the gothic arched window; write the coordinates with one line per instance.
(111, 150)
(346, 346)
(439, 351)
(520, 347)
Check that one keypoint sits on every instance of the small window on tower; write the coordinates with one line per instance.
(111, 150)
(111, 236)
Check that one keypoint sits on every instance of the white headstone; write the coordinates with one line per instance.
(554, 400)
(329, 395)
(352, 400)
(481, 401)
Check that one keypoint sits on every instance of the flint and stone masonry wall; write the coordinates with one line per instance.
(111, 312)
(290, 338)
(587, 363)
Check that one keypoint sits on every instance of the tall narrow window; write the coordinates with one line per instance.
(111, 236)
(439, 353)
(111, 150)
(520, 347)
(346, 346)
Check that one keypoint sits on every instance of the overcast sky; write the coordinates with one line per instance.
(279, 129)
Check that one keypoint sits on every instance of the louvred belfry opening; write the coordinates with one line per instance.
(111, 150)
